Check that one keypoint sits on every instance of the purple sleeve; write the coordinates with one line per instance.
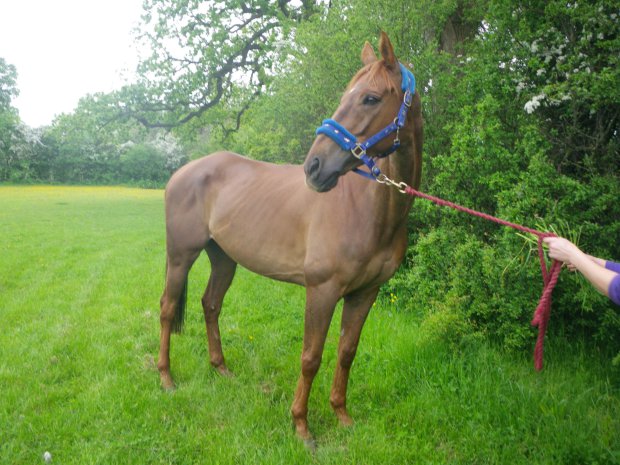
(612, 266)
(614, 289)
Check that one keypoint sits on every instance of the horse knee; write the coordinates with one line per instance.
(346, 356)
(167, 310)
(310, 363)
(211, 310)
(337, 400)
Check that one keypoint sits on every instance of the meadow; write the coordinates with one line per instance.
(81, 273)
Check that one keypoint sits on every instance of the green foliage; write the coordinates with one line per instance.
(208, 55)
(535, 161)
(448, 326)
(562, 62)
(91, 145)
(9, 122)
(8, 85)
(143, 163)
(481, 159)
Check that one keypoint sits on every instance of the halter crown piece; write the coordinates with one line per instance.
(348, 141)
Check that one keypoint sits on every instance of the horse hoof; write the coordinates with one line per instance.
(168, 387)
(304, 435)
(344, 418)
(167, 384)
(224, 371)
(310, 444)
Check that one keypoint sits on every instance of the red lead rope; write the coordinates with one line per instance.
(550, 276)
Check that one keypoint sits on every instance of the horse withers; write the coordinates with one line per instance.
(318, 225)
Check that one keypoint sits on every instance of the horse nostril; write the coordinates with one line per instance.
(314, 166)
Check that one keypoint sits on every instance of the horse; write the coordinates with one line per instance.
(318, 225)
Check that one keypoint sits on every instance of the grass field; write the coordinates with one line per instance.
(81, 272)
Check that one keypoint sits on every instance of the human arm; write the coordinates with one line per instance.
(592, 268)
(598, 261)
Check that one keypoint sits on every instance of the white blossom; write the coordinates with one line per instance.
(126, 145)
(532, 104)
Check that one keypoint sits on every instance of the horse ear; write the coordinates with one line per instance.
(387, 51)
(368, 54)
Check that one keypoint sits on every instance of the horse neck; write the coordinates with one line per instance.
(387, 207)
(405, 165)
(401, 166)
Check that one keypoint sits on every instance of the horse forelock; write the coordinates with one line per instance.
(378, 76)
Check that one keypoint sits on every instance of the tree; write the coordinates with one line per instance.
(91, 145)
(564, 63)
(8, 84)
(205, 53)
(9, 119)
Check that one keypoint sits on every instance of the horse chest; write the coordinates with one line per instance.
(377, 266)
(386, 265)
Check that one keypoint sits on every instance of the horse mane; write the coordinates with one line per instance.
(378, 73)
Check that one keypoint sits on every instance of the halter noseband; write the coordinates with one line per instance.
(349, 143)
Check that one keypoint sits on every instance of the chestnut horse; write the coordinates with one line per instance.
(317, 225)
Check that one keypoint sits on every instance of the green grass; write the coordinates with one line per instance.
(81, 272)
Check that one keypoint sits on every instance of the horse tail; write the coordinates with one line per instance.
(179, 315)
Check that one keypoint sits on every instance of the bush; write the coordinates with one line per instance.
(143, 164)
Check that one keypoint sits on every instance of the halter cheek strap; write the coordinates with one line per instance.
(349, 142)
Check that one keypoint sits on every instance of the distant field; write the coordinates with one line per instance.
(81, 273)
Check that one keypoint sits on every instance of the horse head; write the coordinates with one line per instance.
(367, 110)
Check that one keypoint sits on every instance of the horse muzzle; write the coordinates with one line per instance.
(319, 177)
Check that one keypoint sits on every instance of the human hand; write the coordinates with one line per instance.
(563, 250)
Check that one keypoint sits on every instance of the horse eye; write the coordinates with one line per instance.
(371, 100)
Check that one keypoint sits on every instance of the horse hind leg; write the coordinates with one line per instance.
(222, 273)
(172, 305)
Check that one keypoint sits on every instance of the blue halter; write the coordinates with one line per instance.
(349, 143)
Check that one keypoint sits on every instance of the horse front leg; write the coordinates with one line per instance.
(320, 303)
(354, 313)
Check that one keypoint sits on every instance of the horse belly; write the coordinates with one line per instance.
(268, 259)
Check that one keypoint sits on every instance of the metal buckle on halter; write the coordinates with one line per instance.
(358, 151)
(396, 142)
(408, 98)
